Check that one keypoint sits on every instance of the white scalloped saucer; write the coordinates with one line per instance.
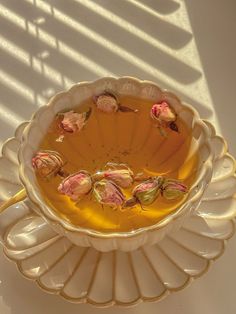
(84, 275)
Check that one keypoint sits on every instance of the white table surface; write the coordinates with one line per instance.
(187, 46)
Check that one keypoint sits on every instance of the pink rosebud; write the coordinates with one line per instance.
(163, 112)
(118, 173)
(173, 189)
(73, 121)
(147, 192)
(108, 193)
(122, 177)
(107, 102)
(47, 163)
(164, 116)
(76, 185)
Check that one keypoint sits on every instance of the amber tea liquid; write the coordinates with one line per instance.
(130, 138)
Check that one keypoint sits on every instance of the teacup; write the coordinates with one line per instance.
(108, 241)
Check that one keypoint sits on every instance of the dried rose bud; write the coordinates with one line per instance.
(164, 116)
(147, 192)
(163, 112)
(47, 163)
(76, 185)
(73, 121)
(108, 193)
(122, 176)
(106, 102)
(173, 189)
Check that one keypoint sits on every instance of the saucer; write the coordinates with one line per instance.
(84, 275)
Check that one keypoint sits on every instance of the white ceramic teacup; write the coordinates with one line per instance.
(125, 241)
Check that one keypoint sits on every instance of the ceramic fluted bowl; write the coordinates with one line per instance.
(125, 241)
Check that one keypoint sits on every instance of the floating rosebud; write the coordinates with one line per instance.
(73, 121)
(164, 116)
(173, 189)
(163, 112)
(147, 192)
(107, 102)
(47, 163)
(119, 174)
(76, 185)
(122, 177)
(108, 193)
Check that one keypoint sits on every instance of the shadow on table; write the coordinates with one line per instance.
(216, 45)
(46, 48)
(161, 6)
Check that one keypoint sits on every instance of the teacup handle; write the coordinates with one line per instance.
(19, 196)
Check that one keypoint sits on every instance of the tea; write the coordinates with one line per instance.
(121, 137)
